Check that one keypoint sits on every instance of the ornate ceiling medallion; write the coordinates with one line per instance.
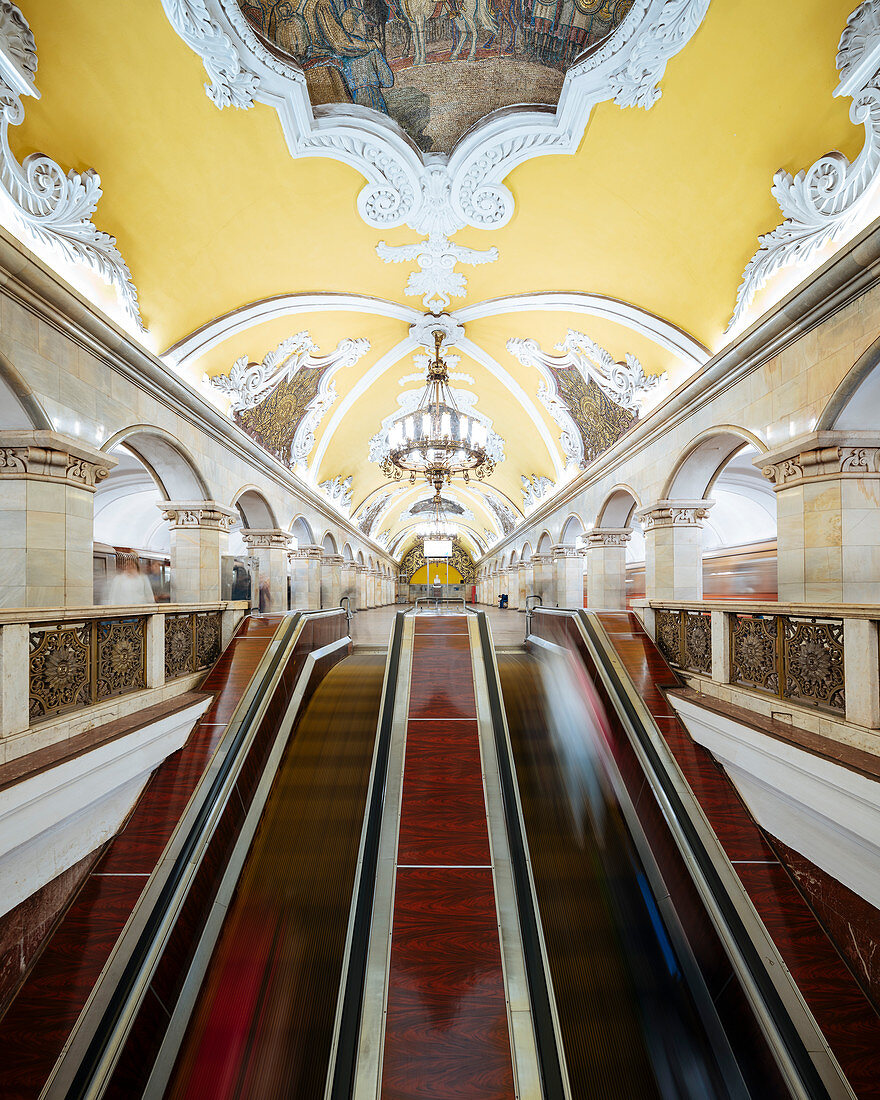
(593, 398)
(52, 206)
(834, 198)
(437, 441)
(282, 400)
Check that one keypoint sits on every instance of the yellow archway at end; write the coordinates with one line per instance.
(421, 575)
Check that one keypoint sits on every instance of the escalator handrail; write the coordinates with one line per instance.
(341, 1072)
(810, 1081)
(94, 1057)
(546, 1038)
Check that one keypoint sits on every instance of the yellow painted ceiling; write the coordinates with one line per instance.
(659, 208)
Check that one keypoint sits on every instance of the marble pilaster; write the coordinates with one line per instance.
(674, 548)
(542, 579)
(269, 547)
(305, 563)
(568, 576)
(199, 539)
(524, 581)
(827, 486)
(606, 570)
(331, 580)
(361, 586)
(47, 487)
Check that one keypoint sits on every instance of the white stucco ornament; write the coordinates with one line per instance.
(248, 383)
(434, 194)
(53, 207)
(338, 490)
(828, 203)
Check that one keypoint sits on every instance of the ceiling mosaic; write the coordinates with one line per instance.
(436, 68)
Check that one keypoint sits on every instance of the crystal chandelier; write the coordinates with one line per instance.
(438, 525)
(437, 441)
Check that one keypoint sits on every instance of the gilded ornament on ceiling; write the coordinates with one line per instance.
(274, 421)
(600, 422)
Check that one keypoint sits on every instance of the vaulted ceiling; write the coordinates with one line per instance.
(638, 239)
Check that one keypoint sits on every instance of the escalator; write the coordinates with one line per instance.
(264, 1020)
(461, 878)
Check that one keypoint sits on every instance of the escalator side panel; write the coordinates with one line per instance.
(846, 1016)
(40, 1018)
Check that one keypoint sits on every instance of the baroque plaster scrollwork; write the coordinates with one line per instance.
(623, 383)
(248, 383)
(834, 198)
(338, 490)
(534, 489)
(439, 195)
(53, 207)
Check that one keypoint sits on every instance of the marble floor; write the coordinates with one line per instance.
(373, 627)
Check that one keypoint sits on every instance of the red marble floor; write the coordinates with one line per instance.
(847, 1018)
(446, 1031)
(41, 1016)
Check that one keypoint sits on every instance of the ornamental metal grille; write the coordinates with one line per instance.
(792, 657)
(73, 665)
(697, 641)
(192, 642)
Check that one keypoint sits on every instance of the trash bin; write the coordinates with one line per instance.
(502, 600)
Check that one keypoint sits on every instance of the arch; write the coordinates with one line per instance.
(126, 506)
(328, 544)
(513, 559)
(19, 406)
(526, 552)
(302, 531)
(346, 552)
(360, 557)
(618, 507)
(704, 458)
(172, 467)
(545, 542)
(370, 563)
(572, 529)
(855, 404)
(256, 512)
(503, 564)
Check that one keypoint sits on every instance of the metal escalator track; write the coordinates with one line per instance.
(263, 1023)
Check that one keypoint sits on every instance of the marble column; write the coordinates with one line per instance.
(269, 547)
(542, 579)
(524, 581)
(349, 583)
(199, 539)
(331, 580)
(674, 548)
(305, 564)
(361, 586)
(606, 568)
(513, 587)
(568, 575)
(47, 488)
(827, 487)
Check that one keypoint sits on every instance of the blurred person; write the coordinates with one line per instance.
(129, 586)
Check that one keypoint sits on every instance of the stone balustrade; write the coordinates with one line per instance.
(69, 667)
(826, 658)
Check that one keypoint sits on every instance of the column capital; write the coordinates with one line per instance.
(361, 568)
(270, 538)
(306, 551)
(197, 513)
(39, 454)
(540, 559)
(333, 559)
(608, 536)
(822, 456)
(562, 551)
(674, 513)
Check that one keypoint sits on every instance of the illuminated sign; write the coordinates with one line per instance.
(438, 548)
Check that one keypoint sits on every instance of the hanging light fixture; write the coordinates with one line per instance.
(438, 526)
(437, 441)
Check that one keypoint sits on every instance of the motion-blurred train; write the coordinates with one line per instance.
(156, 566)
(733, 573)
